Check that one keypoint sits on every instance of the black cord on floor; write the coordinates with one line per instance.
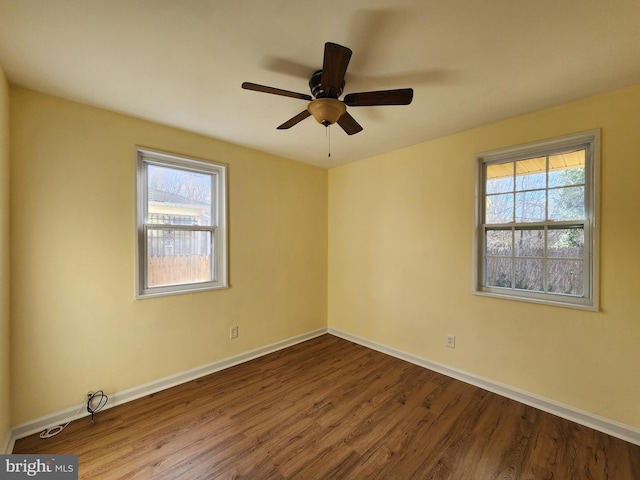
(93, 407)
(95, 402)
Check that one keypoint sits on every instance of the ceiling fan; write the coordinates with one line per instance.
(327, 86)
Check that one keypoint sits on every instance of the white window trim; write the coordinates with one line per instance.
(591, 298)
(146, 156)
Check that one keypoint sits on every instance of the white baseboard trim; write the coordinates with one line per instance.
(73, 413)
(605, 425)
(8, 446)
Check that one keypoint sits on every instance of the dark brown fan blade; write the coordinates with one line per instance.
(275, 91)
(349, 124)
(334, 68)
(402, 96)
(292, 121)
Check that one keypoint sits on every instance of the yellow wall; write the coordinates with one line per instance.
(5, 407)
(399, 255)
(400, 264)
(76, 325)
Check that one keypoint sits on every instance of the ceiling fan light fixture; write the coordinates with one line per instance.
(327, 111)
(326, 87)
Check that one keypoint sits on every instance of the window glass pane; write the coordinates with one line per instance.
(567, 169)
(531, 206)
(531, 174)
(565, 276)
(499, 178)
(529, 243)
(498, 242)
(566, 203)
(565, 243)
(498, 272)
(178, 195)
(176, 257)
(529, 274)
(499, 208)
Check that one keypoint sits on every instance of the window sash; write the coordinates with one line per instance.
(545, 258)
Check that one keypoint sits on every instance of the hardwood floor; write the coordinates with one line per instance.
(331, 409)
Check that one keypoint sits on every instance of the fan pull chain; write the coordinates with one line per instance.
(329, 141)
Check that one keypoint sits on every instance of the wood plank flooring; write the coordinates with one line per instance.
(331, 409)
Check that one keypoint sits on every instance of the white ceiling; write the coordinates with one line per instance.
(181, 62)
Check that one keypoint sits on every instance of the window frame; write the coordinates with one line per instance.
(590, 140)
(217, 229)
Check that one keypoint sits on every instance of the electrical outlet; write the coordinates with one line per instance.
(233, 332)
(451, 341)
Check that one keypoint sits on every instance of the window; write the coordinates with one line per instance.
(536, 217)
(181, 224)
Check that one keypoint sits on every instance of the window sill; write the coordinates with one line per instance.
(178, 291)
(541, 301)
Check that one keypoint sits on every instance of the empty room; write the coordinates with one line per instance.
(320, 240)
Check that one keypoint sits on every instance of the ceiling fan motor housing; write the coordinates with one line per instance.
(319, 91)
